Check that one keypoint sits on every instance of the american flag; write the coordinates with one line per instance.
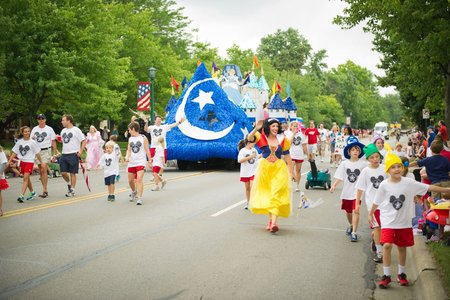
(143, 102)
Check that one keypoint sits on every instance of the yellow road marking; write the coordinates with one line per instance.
(80, 199)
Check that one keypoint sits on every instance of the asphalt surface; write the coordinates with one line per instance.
(193, 240)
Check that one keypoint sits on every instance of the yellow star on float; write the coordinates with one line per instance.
(204, 98)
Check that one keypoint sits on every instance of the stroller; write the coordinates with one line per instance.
(318, 178)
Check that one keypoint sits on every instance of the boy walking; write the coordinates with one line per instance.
(395, 200)
(348, 172)
(368, 183)
(109, 163)
(138, 155)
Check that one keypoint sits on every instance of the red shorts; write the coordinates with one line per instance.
(401, 237)
(135, 170)
(298, 161)
(26, 167)
(156, 169)
(152, 154)
(349, 205)
(247, 179)
(376, 220)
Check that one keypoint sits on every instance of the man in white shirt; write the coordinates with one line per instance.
(158, 130)
(71, 137)
(45, 137)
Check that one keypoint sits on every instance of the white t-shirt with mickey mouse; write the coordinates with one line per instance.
(43, 136)
(118, 154)
(108, 161)
(349, 171)
(26, 150)
(3, 160)
(296, 150)
(396, 202)
(71, 140)
(369, 181)
(157, 131)
(323, 134)
(248, 168)
(158, 159)
(138, 156)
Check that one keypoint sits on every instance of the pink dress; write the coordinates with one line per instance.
(94, 149)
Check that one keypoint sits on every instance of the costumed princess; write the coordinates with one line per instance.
(271, 191)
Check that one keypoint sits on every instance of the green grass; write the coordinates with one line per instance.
(441, 254)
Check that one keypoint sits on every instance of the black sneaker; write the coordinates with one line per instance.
(349, 230)
(378, 259)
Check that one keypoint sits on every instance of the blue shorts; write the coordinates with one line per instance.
(110, 180)
(69, 163)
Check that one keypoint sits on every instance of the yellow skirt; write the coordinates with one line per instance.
(271, 190)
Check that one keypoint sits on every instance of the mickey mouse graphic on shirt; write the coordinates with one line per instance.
(67, 137)
(157, 132)
(376, 181)
(353, 175)
(24, 150)
(108, 162)
(251, 160)
(297, 140)
(397, 203)
(135, 147)
(40, 137)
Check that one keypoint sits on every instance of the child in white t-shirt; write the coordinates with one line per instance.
(158, 163)
(298, 152)
(109, 163)
(395, 200)
(248, 158)
(3, 182)
(368, 183)
(26, 150)
(118, 154)
(348, 172)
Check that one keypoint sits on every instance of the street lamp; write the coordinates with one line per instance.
(152, 73)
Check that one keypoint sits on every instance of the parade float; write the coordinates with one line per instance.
(213, 124)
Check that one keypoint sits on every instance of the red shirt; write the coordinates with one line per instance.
(443, 132)
(312, 134)
(446, 154)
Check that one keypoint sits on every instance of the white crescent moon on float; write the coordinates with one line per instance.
(193, 131)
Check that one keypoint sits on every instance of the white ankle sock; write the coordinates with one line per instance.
(387, 271)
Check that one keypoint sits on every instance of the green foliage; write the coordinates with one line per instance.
(287, 50)
(415, 56)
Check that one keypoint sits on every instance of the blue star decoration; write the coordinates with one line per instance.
(214, 125)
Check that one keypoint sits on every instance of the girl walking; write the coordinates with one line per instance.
(248, 158)
(26, 150)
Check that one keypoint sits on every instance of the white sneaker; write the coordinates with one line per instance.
(321, 160)
(156, 188)
(297, 189)
(139, 201)
(133, 196)
(163, 183)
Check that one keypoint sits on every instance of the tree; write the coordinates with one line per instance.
(287, 50)
(415, 56)
(53, 60)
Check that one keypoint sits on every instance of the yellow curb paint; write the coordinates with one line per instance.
(22, 211)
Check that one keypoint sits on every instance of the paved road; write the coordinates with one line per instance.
(193, 240)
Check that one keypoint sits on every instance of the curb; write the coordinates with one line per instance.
(428, 284)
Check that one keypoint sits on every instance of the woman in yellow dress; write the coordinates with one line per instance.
(271, 191)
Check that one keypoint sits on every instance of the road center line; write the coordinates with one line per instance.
(228, 208)
(234, 206)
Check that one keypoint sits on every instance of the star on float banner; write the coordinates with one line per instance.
(202, 105)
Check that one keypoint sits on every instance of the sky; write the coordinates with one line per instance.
(223, 23)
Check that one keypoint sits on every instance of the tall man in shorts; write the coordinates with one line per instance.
(72, 138)
(45, 137)
(313, 136)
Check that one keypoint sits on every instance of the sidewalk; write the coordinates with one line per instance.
(422, 275)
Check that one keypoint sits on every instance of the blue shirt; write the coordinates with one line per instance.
(431, 137)
(437, 168)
